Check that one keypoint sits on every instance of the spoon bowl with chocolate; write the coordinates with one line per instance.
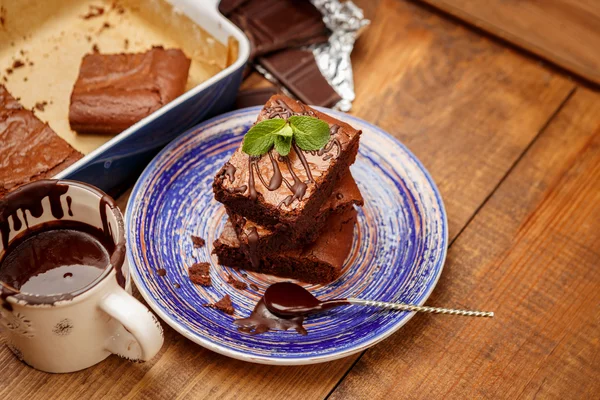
(285, 304)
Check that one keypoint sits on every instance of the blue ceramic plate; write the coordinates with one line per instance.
(398, 251)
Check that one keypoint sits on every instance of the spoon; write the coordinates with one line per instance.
(286, 299)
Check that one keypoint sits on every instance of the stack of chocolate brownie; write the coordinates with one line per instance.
(290, 216)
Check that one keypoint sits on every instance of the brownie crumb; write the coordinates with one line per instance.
(2, 16)
(30, 63)
(126, 44)
(95, 48)
(25, 79)
(104, 26)
(224, 305)
(236, 284)
(245, 275)
(198, 242)
(200, 274)
(22, 52)
(5, 79)
(94, 11)
(176, 285)
(40, 105)
(18, 64)
(161, 272)
(88, 38)
(253, 287)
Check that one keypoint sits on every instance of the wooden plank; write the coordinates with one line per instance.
(565, 32)
(465, 105)
(531, 255)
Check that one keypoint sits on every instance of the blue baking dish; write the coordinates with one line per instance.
(117, 163)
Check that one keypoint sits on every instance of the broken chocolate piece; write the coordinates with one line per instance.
(278, 24)
(297, 70)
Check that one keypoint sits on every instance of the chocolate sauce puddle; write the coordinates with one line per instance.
(29, 199)
(284, 305)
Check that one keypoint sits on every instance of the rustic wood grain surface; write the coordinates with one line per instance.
(515, 150)
(565, 32)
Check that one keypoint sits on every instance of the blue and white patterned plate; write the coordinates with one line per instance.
(398, 251)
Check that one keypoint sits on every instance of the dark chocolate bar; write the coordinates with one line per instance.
(277, 24)
(297, 70)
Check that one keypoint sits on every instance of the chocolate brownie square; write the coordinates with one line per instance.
(29, 148)
(318, 262)
(249, 186)
(268, 241)
(114, 91)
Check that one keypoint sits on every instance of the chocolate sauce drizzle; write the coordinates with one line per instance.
(252, 237)
(228, 170)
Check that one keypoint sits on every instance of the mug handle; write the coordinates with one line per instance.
(138, 321)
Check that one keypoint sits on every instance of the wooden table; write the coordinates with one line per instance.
(514, 147)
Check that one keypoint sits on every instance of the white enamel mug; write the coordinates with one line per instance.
(72, 331)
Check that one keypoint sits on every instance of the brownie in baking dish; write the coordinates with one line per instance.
(268, 241)
(114, 91)
(245, 185)
(319, 262)
(29, 148)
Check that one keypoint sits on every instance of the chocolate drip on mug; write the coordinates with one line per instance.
(31, 202)
(69, 201)
(119, 253)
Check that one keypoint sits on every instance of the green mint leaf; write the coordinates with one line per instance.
(283, 144)
(259, 139)
(309, 133)
(286, 131)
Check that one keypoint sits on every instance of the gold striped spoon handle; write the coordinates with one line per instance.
(409, 307)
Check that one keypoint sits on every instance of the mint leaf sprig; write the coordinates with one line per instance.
(309, 133)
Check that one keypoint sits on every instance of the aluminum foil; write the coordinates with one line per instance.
(346, 21)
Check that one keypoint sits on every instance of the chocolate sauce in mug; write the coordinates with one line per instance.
(56, 259)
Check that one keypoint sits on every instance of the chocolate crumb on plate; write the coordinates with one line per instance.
(236, 284)
(198, 241)
(95, 48)
(200, 274)
(161, 272)
(253, 287)
(18, 64)
(224, 305)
